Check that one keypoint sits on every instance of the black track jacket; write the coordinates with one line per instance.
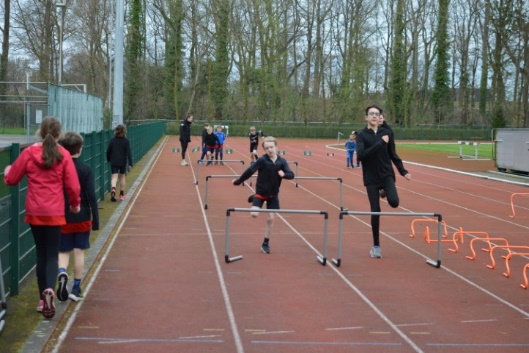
(268, 181)
(376, 156)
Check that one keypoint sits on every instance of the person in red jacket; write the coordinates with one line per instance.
(50, 171)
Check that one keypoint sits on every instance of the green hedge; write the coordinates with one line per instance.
(326, 131)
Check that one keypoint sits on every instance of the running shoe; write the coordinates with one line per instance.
(122, 197)
(113, 195)
(76, 294)
(40, 306)
(48, 311)
(382, 193)
(265, 248)
(62, 290)
(375, 252)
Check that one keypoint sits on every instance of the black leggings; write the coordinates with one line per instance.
(374, 201)
(47, 240)
(184, 144)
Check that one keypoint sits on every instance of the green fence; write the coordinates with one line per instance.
(17, 249)
(331, 130)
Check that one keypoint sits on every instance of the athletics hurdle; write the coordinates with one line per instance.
(326, 178)
(436, 264)
(512, 201)
(509, 249)
(468, 143)
(201, 162)
(321, 259)
(233, 176)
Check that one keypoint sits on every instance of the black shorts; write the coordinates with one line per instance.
(115, 169)
(253, 147)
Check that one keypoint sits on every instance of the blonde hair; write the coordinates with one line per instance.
(269, 139)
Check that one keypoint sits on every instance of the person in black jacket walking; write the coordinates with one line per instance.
(375, 148)
(185, 136)
(272, 169)
(75, 235)
(118, 153)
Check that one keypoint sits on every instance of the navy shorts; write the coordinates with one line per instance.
(79, 240)
(271, 203)
(115, 169)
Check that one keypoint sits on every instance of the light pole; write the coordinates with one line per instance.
(117, 108)
(61, 5)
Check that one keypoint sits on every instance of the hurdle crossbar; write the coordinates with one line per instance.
(327, 178)
(220, 176)
(433, 263)
(201, 162)
(321, 259)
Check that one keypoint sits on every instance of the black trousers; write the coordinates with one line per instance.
(47, 240)
(184, 144)
(373, 195)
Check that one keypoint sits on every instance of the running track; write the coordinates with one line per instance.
(162, 284)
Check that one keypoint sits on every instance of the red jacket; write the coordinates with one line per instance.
(45, 193)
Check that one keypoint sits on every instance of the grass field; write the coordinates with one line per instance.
(484, 149)
(12, 131)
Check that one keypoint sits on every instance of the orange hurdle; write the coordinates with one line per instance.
(445, 234)
(508, 257)
(488, 240)
(512, 201)
(524, 271)
(506, 247)
(430, 240)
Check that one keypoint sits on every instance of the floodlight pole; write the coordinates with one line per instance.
(60, 6)
(117, 108)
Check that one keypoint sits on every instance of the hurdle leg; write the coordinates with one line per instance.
(323, 260)
(227, 257)
(437, 264)
(526, 281)
(338, 260)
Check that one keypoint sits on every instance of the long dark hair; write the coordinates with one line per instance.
(49, 132)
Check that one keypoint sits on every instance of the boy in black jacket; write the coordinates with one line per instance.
(375, 148)
(75, 235)
(272, 169)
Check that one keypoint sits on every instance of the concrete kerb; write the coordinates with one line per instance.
(43, 332)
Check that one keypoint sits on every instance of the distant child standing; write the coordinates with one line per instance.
(118, 153)
(350, 146)
(204, 151)
(254, 143)
(219, 149)
(185, 136)
(50, 173)
(272, 170)
(75, 235)
(211, 140)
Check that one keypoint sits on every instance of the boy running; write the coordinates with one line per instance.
(375, 149)
(272, 169)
